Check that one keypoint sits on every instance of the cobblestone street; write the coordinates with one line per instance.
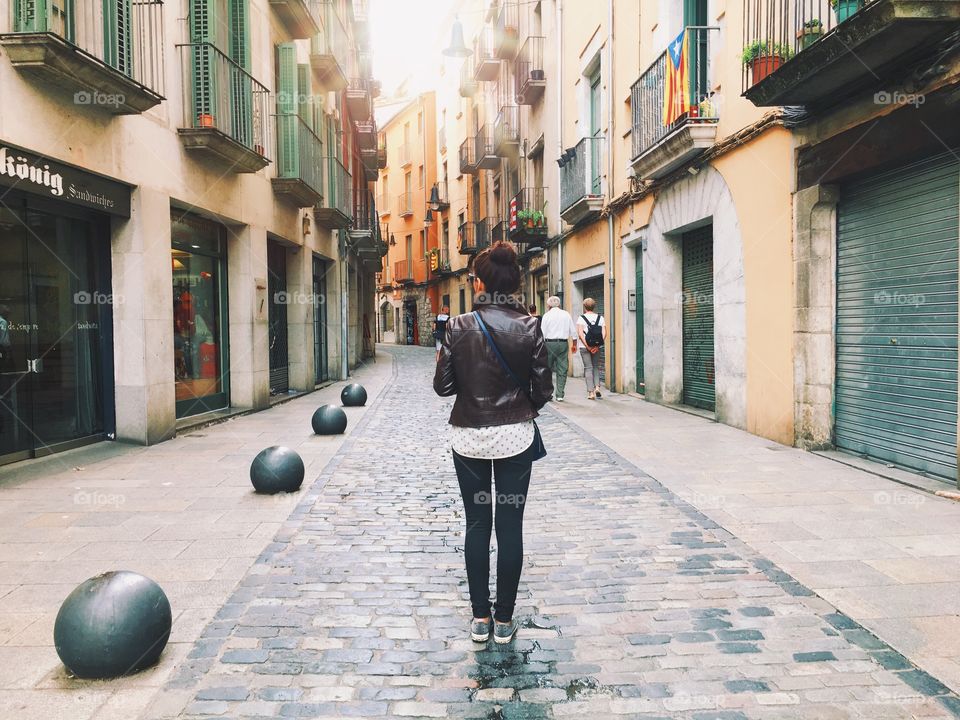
(632, 603)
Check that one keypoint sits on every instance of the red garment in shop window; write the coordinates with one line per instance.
(208, 360)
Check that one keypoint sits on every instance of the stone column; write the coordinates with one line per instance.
(814, 312)
(143, 320)
(300, 319)
(248, 311)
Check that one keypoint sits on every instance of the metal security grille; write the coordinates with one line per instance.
(593, 288)
(279, 301)
(897, 254)
(320, 344)
(697, 278)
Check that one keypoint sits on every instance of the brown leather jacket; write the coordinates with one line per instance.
(469, 369)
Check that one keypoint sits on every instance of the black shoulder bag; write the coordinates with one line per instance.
(537, 448)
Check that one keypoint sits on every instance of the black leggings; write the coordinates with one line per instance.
(513, 479)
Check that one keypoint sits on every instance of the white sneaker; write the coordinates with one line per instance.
(559, 399)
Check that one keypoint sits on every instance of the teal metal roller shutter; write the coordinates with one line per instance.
(896, 383)
(698, 368)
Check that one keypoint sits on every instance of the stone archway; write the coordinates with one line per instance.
(703, 199)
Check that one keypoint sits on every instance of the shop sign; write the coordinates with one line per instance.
(40, 175)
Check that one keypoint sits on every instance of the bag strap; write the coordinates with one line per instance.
(496, 351)
(590, 324)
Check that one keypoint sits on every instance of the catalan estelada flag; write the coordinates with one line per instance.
(676, 91)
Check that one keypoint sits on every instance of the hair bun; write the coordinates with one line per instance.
(503, 253)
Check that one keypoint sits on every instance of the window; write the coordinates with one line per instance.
(423, 242)
(419, 124)
(407, 183)
(409, 253)
(422, 176)
(463, 301)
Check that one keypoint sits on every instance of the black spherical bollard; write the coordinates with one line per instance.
(276, 469)
(329, 420)
(354, 395)
(111, 625)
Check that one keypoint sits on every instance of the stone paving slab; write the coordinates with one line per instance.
(182, 512)
(633, 604)
(885, 553)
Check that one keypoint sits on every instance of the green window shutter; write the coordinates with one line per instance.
(203, 24)
(288, 92)
(31, 15)
(241, 86)
(305, 98)
(117, 35)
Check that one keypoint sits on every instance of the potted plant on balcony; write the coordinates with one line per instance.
(811, 31)
(845, 8)
(525, 218)
(205, 120)
(764, 57)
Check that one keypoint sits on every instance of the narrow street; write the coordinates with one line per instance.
(633, 603)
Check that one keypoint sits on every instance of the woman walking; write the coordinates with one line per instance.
(495, 361)
(592, 331)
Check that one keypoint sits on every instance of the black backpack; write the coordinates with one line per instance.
(594, 334)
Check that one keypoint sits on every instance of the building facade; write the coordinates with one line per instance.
(186, 226)
(760, 196)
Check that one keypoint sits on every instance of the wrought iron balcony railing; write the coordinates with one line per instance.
(221, 96)
(696, 106)
(365, 211)
(530, 78)
(473, 236)
(330, 49)
(299, 155)
(506, 34)
(484, 153)
(506, 131)
(580, 172)
(125, 37)
(528, 215)
(468, 83)
(402, 271)
(405, 204)
(486, 64)
(337, 194)
(468, 156)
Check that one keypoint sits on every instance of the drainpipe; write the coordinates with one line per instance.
(559, 86)
(344, 309)
(611, 314)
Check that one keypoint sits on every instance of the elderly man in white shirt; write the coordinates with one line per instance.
(560, 333)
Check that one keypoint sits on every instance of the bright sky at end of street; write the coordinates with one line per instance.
(407, 37)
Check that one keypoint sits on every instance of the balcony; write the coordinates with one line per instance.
(528, 223)
(506, 34)
(660, 147)
(581, 196)
(365, 237)
(443, 261)
(299, 162)
(405, 204)
(530, 78)
(468, 157)
(406, 155)
(329, 48)
(334, 212)
(359, 102)
(506, 132)
(106, 57)
(802, 52)
(402, 271)
(486, 64)
(473, 237)
(485, 156)
(361, 19)
(382, 151)
(498, 229)
(298, 17)
(226, 111)
(443, 194)
(468, 83)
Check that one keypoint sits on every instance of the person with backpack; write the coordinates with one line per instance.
(592, 332)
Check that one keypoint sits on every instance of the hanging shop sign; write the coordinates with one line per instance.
(39, 175)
